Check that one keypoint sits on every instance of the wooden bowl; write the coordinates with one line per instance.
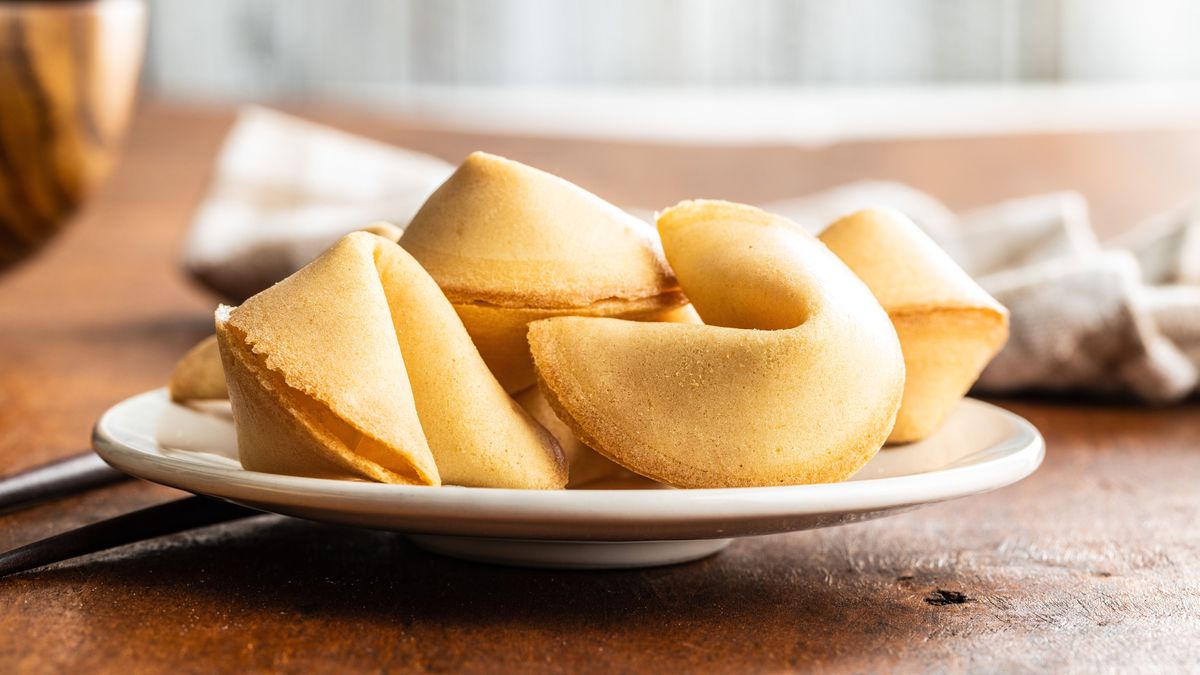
(68, 74)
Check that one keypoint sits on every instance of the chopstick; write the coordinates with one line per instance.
(169, 518)
(68, 476)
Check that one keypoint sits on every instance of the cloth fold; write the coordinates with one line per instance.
(1111, 318)
(284, 189)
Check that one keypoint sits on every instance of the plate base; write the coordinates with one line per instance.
(581, 555)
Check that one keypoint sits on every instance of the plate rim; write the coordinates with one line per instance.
(1023, 452)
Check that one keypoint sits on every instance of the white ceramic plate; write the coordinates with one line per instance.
(980, 448)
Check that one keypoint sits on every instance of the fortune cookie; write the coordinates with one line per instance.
(585, 465)
(796, 378)
(198, 375)
(510, 244)
(949, 327)
(357, 364)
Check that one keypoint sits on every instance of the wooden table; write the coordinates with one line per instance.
(1091, 564)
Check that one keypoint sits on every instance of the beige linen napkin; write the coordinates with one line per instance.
(1121, 318)
(284, 189)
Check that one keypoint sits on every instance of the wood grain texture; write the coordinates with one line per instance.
(68, 72)
(1090, 565)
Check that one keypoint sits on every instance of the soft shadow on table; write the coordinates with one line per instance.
(165, 332)
(141, 350)
(1087, 400)
(272, 580)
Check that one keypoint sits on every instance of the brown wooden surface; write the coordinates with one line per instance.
(1093, 563)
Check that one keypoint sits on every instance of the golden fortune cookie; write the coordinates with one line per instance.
(199, 375)
(586, 466)
(796, 378)
(949, 327)
(357, 364)
(510, 244)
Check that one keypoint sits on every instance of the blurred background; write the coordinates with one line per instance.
(803, 69)
(257, 48)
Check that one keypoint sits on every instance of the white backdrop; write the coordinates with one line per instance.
(266, 49)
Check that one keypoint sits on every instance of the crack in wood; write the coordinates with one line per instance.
(941, 597)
